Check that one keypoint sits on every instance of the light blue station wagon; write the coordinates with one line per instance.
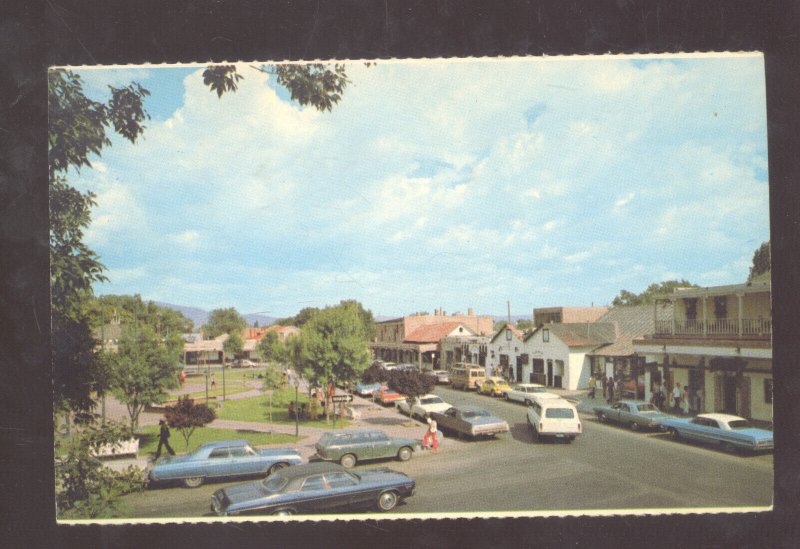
(230, 458)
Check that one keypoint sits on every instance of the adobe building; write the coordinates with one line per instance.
(566, 315)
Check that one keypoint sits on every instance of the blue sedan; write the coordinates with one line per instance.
(636, 414)
(315, 488)
(729, 432)
(366, 389)
(220, 460)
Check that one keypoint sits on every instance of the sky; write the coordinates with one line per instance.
(448, 184)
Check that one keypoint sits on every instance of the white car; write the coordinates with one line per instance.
(524, 392)
(553, 418)
(420, 407)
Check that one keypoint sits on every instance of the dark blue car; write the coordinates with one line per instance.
(315, 488)
(230, 458)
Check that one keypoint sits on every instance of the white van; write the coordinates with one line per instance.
(467, 377)
(554, 418)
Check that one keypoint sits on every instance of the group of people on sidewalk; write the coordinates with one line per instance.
(680, 399)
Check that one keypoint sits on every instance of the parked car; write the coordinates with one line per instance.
(467, 376)
(367, 389)
(227, 458)
(636, 414)
(420, 407)
(731, 433)
(387, 396)
(315, 488)
(470, 421)
(442, 377)
(553, 418)
(350, 446)
(524, 392)
(243, 363)
(493, 386)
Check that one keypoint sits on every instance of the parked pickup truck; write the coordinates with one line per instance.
(470, 421)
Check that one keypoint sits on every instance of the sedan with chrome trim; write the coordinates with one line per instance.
(635, 414)
(315, 488)
(222, 459)
(470, 421)
(728, 432)
(524, 392)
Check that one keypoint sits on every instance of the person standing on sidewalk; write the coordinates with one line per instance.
(676, 398)
(592, 386)
(163, 439)
(430, 436)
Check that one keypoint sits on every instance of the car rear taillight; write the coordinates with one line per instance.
(541, 427)
(579, 427)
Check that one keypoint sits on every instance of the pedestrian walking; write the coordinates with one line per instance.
(183, 377)
(592, 386)
(213, 381)
(685, 400)
(676, 398)
(163, 439)
(610, 389)
(430, 435)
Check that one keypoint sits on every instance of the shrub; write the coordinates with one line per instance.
(186, 416)
(411, 382)
(375, 374)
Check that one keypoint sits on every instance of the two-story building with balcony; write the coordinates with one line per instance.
(718, 342)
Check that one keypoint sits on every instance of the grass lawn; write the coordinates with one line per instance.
(217, 392)
(256, 409)
(148, 438)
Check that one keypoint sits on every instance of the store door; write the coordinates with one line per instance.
(549, 372)
(729, 395)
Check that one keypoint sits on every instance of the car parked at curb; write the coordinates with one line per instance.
(243, 363)
(420, 407)
(470, 421)
(728, 432)
(315, 488)
(351, 446)
(525, 392)
(367, 389)
(493, 386)
(386, 396)
(636, 414)
(553, 418)
(222, 459)
(442, 377)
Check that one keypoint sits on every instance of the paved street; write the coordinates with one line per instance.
(607, 467)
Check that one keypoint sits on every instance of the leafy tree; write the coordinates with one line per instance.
(269, 347)
(130, 309)
(233, 345)
(762, 261)
(651, 292)
(411, 382)
(186, 416)
(272, 382)
(223, 321)
(143, 367)
(299, 319)
(524, 324)
(499, 325)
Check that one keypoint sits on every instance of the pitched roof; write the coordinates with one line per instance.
(433, 333)
(632, 321)
(509, 327)
(581, 334)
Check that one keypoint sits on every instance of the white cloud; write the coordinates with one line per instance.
(579, 257)
(189, 239)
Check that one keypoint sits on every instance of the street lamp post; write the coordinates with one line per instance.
(296, 408)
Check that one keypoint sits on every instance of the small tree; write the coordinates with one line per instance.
(269, 347)
(233, 345)
(762, 261)
(272, 381)
(412, 383)
(186, 416)
(375, 374)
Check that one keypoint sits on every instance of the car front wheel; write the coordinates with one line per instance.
(283, 513)
(276, 466)
(387, 501)
(404, 454)
(601, 418)
(674, 433)
(193, 482)
(348, 460)
(635, 426)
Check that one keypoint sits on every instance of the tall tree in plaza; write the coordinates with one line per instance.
(333, 345)
(762, 261)
(186, 416)
(651, 292)
(233, 345)
(142, 369)
(223, 321)
(270, 347)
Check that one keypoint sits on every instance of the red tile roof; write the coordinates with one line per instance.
(432, 333)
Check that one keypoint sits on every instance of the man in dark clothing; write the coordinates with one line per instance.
(163, 439)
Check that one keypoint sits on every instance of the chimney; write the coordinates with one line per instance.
(470, 312)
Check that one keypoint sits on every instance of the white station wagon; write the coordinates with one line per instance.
(553, 418)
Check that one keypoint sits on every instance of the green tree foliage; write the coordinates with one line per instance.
(84, 487)
(233, 345)
(524, 324)
(299, 319)
(651, 292)
(332, 346)
(129, 309)
(223, 321)
(142, 369)
(186, 416)
(272, 382)
(411, 382)
(270, 347)
(762, 261)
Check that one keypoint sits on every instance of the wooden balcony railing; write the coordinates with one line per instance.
(717, 327)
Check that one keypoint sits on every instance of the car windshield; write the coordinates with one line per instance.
(431, 400)
(559, 413)
(474, 413)
(274, 483)
(646, 408)
(740, 424)
(536, 389)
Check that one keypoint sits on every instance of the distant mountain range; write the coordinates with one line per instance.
(200, 316)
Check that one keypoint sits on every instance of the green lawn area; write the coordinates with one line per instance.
(217, 391)
(256, 409)
(148, 438)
